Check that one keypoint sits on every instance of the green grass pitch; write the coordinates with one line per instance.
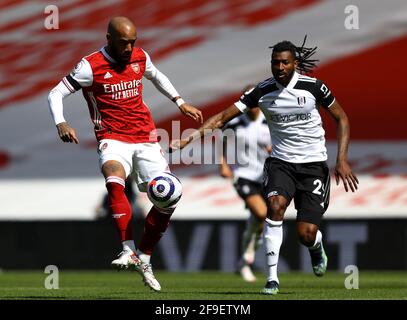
(199, 286)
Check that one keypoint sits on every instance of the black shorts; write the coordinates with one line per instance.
(308, 183)
(246, 188)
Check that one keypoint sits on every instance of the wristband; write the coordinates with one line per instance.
(179, 102)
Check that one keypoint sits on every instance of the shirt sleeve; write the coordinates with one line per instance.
(151, 70)
(160, 80)
(249, 99)
(323, 95)
(55, 104)
(81, 76)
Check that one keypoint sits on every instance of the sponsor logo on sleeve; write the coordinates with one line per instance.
(77, 68)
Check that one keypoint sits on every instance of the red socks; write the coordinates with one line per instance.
(120, 207)
(155, 225)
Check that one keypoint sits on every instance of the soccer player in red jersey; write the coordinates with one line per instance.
(111, 82)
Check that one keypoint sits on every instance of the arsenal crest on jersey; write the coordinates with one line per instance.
(135, 67)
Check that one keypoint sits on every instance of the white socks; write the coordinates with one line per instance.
(318, 241)
(145, 258)
(273, 238)
(128, 245)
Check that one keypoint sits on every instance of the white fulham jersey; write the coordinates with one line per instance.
(292, 115)
(247, 141)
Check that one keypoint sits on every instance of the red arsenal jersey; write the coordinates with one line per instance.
(113, 93)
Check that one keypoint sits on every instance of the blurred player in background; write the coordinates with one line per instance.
(252, 133)
(297, 166)
(111, 82)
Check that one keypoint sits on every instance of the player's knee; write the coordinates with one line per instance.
(113, 168)
(277, 208)
(307, 236)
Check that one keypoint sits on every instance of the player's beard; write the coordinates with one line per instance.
(285, 79)
(125, 59)
(121, 59)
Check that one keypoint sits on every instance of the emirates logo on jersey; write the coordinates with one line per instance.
(135, 67)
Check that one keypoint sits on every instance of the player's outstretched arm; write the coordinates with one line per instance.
(164, 85)
(343, 170)
(215, 122)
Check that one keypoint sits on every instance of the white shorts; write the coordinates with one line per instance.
(144, 161)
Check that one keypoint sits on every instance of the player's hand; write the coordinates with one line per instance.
(344, 172)
(67, 133)
(191, 112)
(177, 144)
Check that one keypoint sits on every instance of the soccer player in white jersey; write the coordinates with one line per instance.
(297, 166)
(247, 146)
(111, 82)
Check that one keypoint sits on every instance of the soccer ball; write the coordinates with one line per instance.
(165, 190)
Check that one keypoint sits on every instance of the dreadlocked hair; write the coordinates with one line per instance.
(302, 54)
